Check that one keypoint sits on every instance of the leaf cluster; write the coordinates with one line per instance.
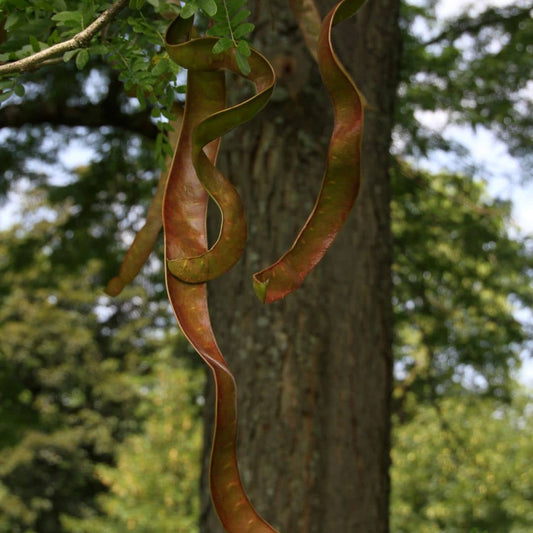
(34, 26)
(231, 25)
(132, 44)
(464, 466)
(460, 279)
(153, 486)
(229, 22)
(72, 372)
(475, 70)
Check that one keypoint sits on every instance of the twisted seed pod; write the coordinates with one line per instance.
(184, 211)
(196, 55)
(340, 184)
(184, 208)
(146, 237)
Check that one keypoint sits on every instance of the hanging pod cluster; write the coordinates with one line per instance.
(182, 198)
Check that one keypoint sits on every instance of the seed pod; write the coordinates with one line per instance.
(184, 210)
(197, 55)
(146, 237)
(340, 184)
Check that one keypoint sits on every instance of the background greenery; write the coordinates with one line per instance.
(100, 398)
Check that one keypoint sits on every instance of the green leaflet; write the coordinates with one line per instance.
(230, 24)
(340, 184)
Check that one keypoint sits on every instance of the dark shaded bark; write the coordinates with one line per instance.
(313, 371)
(90, 115)
(57, 112)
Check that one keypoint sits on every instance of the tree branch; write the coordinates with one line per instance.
(89, 115)
(79, 40)
(490, 17)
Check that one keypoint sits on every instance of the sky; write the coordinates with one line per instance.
(486, 151)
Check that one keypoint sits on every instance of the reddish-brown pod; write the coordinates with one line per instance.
(146, 237)
(184, 210)
(197, 55)
(340, 184)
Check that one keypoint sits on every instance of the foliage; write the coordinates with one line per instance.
(154, 486)
(72, 368)
(473, 70)
(231, 25)
(33, 27)
(131, 45)
(132, 42)
(460, 280)
(464, 465)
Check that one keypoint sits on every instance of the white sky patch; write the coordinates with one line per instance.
(449, 9)
(523, 209)
(525, 375)
(8, 211)
(76, 154)
(487, 152)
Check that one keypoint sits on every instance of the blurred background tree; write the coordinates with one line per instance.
(154, 485)
(462, 465)
(82, 375)
(75, 369)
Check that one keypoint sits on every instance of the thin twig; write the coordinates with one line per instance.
(79, 40)
(491, 17)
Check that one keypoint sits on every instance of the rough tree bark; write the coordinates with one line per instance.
(314, 371)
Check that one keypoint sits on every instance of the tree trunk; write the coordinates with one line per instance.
(313, 371)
